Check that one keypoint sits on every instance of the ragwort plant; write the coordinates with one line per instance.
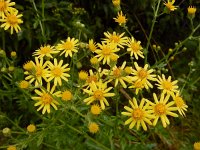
(85, 95)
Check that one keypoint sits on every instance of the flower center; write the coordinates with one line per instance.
(135, 47)
(137, 114)
(170, 6)
(68, 45)
(92, 47)
(57, 71)
(46, 98)
(98, 94)
(92, 78)
(115, 38)
(142, 74)
(45, 50)
(121, 19)
(117, 72)
(38, 72)
(167, 85)
(12, 19)
(2, 6)
(160, 109)
(179, 102)
(106, 51)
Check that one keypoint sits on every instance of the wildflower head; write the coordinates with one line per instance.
(191, 10)
(170, 5)
(11, 147)
(11, 68)
(121, 19)
(93, 127)
(116, 2)
(95, 109)
(128, 70)
(83, 75)
(94, 61)
(28, 66)
(92, 45)
(13, 54)
(6, 132)
(31, 128)
(197, 146)
(24, 84)
(67, 95)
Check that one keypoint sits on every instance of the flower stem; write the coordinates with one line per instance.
(151, 31)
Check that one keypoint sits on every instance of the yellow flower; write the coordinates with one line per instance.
(12, 21)
(28, 65)
(119, 75)
(83, 75)
(95, 109)
(11, 147)
(116, 2)
(67, 95)
(92, 45)
(46, 98)
(191, 10)
(58, 72)
(138, 85)
(46, 50)
(38, 72)
(31, 128)
(197, 146)
(5, 6)
(13, 54)
(93, 127)
(166, 85)
(106, 51)
(161, 108)
(24, 84)
(144, 75)
(170, 5)
(67, 47)
(116, 38)
(139, 115)
(135, 48)
(98, 92)
(121, 19)
(94, 61)
(180, 104)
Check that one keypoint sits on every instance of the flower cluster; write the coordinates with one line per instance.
(9, 16)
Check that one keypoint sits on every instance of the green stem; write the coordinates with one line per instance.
(151, 31)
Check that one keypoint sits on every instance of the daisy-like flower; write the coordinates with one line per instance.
(58, 72)
(68, 46)
(116, 2)
(119, 75)
(161, 108)
(121, 19)
(95, 109)
(38, 72)
(46, 50)
(197, 146)
(31, 128)
(180, 103)
(106, 51)
(116, 38)
(139, 115)
(93, 127)
(170, 5)
(67, 95)
(135, 48)
(46, 98)
(192, 10)
(12, 21)
(144, 75)
(166, 85)
(137, 85)
(92, 46)
(98, 92)
(12, 147)
(93, 77)
(5, 6)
